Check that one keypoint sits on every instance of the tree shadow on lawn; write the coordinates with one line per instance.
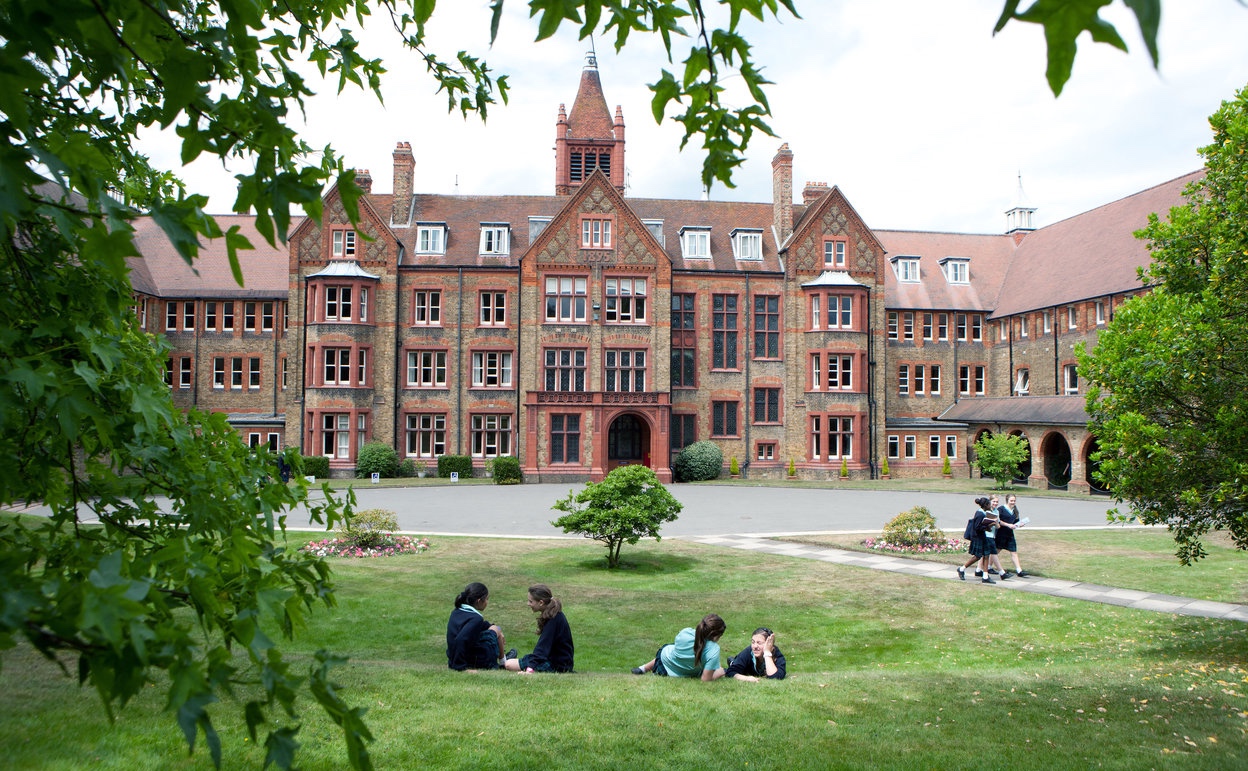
(643, 564)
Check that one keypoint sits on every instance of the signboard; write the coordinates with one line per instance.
(454, 476)
(376, 477)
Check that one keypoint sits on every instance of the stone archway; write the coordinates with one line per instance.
(1090, 466)
(628, 442)
(970, 448)
(1024, 468)
(1055, 452)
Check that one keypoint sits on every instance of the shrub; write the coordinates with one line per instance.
(377, 458)
(407, 468)
(733, 468)
(945, 468)
(313, 466)
(792, 468)
(844, 468)
(914, 529)
(507, 470)
(884, 468)
(370, 528)
(449, 463)
(698, 462)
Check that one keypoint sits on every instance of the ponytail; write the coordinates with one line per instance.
(551, 606)
(711, 627)
(472, 594)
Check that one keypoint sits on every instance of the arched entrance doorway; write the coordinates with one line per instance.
(1056, 453)
(628, 442)
(1090, 466)
(1024, 468)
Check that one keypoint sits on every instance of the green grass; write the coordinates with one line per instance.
(885, 671)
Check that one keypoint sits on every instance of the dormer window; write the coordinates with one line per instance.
(495, 238)
(834, 253)
(344, 243)
(695, 243)
(431, 238)
(906, 268)
(747, 244)
(536, 226)
(957, 270)
(656, 229)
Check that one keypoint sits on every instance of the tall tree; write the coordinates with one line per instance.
(188, 518)
(1167, 398)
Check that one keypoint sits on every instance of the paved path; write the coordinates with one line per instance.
(1182, 606)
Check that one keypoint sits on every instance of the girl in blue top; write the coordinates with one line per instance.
(695, 653)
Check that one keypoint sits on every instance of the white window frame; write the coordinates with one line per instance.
(427, 307)
(1070, 378)
(491, 369)
(1100, 313)
(425, 434)
(426, 361)
(933, 446)
(431, 238)
(695, 243)
(1047, 317)
(1072, 317)
(490, 435)
(957, 270)
(253, 372)
(570, 295)
(492, 308)
(907, 269)
(747, 244)
(596, 233)
(495, 239)
(1022, 381)
(343, 243)
(951, 446)
(894, 446)
(834, 252)
(911, 447)
(625, 300)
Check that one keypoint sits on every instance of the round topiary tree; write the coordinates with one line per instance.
(377, 458)
(698, 462)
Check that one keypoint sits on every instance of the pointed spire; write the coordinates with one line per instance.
(1019, 220)
(588, 137)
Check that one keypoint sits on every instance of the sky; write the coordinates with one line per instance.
(921, 117)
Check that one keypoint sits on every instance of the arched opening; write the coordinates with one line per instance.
(1056, 452)
(1024, 468)
(970, 451)
(628, 442)
(1090, 467)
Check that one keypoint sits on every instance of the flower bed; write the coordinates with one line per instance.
(941, 547)
(389, 546)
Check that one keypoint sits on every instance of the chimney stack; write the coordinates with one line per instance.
(813, 192)
(364, 181)
(404, 167)
(782, 193)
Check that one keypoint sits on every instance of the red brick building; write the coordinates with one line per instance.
(586, 329)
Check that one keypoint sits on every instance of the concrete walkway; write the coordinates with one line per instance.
(1183, 606)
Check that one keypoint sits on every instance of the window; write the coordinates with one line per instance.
(747, 244)
(933, 446)
(426, 369)
(1023, 383)
(815, 313)
(959, 322)
(1072, 317)
(766, 405)
(344, 243)
(840, 372)
(581, 163)
(724, 331)
(903, 380)
(1004, 327)
(979, 379)
(626, 300)
(1100, 312)
(218, 372)
(426, 435)
(840, 311)
(253, 372)
(565, 438)
(249, 317)
(906, 268)
(361, 361)
(236, 372)
(723, 418)
(933, 380)
(336, 435)
(493, 309)
(656, 229)
(957, 271)
(596, 233)
(684, 430)
(624, 370)
(266, 317)
(927, 326)
(210, 316)
(361, 430)
(337, 303)
(227, 316)
(427, 307)
(188, 316)
(894, 446)
(942, 326)
(951, 446)
(431, 239)
(920, 379)
(1048, 321)
(495, 239)
(965, 381)
(977, 327)
(695, 243)
(1022, 325)
(907, 325)
(536, 226)
(1070, 378)
(892, 325)
(565, 369)
(284, 360)
(766, 327)
(171, 317)
(491, 369)
(337, 366)
(834, 253)
(565, 298)
(363, 304)
(491, 435)
(184, 372)
(839, 438)
(816, 371)
(684, 341)
(911, 447)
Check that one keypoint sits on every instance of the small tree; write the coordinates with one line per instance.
(627, 505)
(914, 529)
(1000, 456)
(792, 468)
(844, 468)
(733, 467)
(884, 468)
(946, 468)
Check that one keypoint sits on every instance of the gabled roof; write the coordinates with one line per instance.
(989, 257)
(1093, 254)
(163, 273)
(1020, 410)
(722, 217)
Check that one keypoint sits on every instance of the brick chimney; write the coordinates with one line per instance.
(364, 180)
(404, 175)
(813, 192)
(782, 193)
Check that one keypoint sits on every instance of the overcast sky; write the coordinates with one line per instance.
(922, 118)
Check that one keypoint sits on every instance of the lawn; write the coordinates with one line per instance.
(885, 670)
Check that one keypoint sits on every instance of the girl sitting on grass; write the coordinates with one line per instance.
(553, 652)
(471, 641)
(695, 653)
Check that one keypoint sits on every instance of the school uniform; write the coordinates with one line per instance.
(554, 649)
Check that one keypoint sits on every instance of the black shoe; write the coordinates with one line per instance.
(962, 574)
(987, 580)
(1005, 575)
(1023, 574)
(993, 571)
(979, 574)
(638, 671)
(511, 654)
